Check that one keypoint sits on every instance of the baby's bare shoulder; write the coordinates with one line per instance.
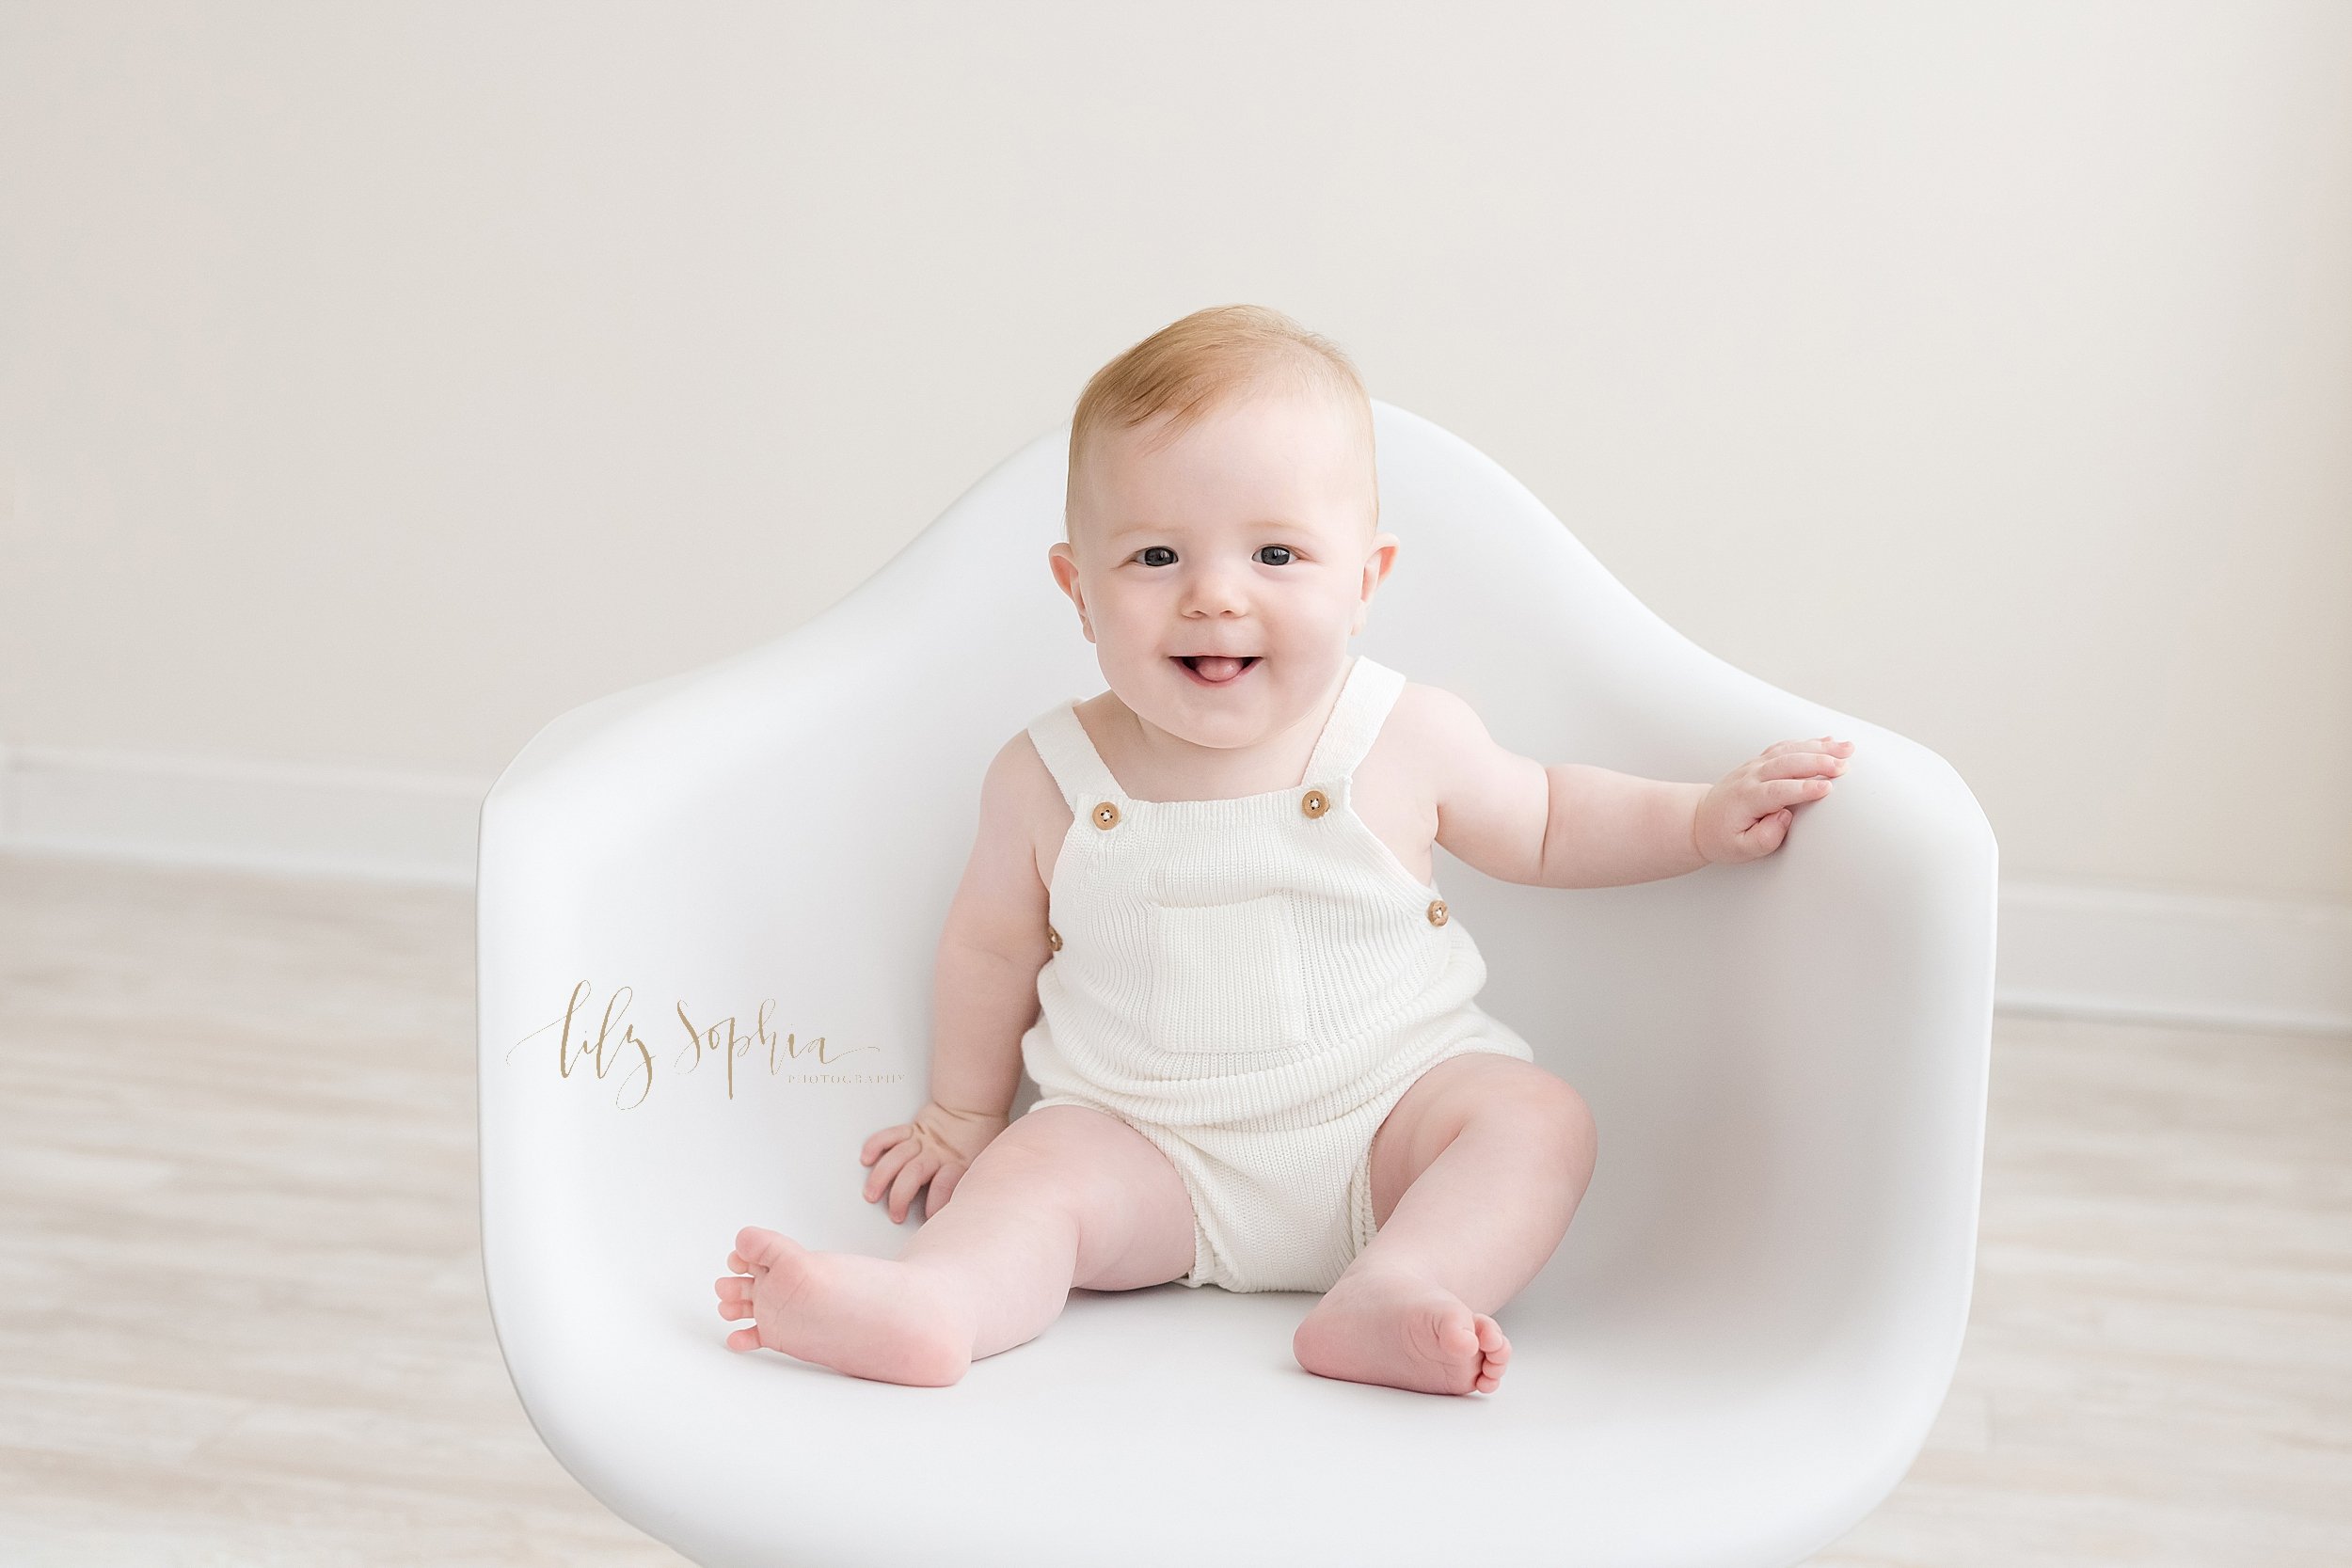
(1434, 704)
(1024, 804)
(1427, 726)
(1453, 758)
(1000, 904)
(1019, 798)
(1398, 784)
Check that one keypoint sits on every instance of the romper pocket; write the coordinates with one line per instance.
(1228, 980)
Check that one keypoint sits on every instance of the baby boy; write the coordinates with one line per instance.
(1200, 912)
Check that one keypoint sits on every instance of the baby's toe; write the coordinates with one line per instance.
(743, 1339)
(763, 1248)
(1494, 1353)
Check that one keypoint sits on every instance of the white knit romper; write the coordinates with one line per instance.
(1251, 984)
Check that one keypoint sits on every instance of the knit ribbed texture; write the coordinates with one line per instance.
(1252, 987)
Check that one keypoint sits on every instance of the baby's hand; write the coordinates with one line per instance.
(1747, 816)
(937, 1146)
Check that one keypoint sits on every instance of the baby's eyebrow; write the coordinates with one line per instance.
(1253, 526)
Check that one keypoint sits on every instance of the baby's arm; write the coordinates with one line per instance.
(1574, 825)
(983, 994)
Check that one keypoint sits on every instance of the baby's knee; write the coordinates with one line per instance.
(1548, 1114)
(1572, 1124)
(1569, 1111)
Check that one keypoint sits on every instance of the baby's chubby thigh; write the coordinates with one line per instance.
(1133, 1214)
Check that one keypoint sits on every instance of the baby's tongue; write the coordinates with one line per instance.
(1216, 669)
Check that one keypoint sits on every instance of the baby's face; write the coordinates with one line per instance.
(1251, 536)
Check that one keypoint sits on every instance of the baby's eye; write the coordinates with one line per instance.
(1146, 554)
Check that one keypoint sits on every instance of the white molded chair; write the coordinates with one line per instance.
(1735, 1354)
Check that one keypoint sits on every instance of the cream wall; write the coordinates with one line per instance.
(379, 382)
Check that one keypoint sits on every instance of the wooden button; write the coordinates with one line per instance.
(1437, 912)
(1314, 802)
(1053, 936)
(1107, 816)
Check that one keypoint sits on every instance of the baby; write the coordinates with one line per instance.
(1200, 913)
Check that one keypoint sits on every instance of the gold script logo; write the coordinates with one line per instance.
(616, 1046)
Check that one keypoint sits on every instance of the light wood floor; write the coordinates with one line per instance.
(242, 1318)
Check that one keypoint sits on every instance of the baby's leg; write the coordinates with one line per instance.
(1064, 1196)
(1475, 1175)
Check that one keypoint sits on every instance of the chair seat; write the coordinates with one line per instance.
(1166, 1425)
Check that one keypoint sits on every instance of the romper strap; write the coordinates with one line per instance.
(1369, 690)
(1070, 757)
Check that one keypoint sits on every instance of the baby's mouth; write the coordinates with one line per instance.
(1211, 670)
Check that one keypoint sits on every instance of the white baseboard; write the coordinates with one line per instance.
(2077, 949)
(2214, 961)
(247, 816)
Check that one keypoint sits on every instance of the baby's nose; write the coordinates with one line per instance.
(1215, 598)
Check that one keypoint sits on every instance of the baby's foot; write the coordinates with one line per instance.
(1391, 1327)
(870, 1317)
